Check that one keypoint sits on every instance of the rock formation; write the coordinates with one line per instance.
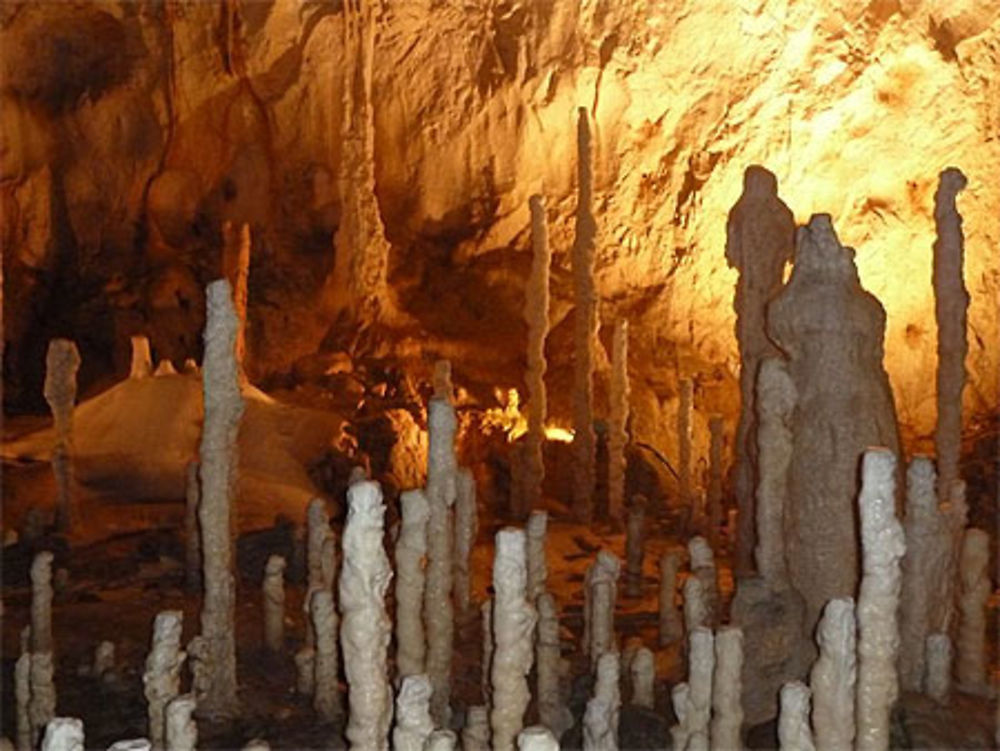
(326, 693)
(938, 661)
(61, 365)
(552, 712)
(618, 421)
(162, 679)
(411, 546)
(642, 671)
(671, 623)
(600, 718)
(727, 709)
(41, 602)
(182, 730)
(273, 595)
(834, 676)
(538, 572)
(192, 535)
(634, 546)
(693, 700)
(794, 733)
(466, 529)
(63, 734)
(536, 315)
(413, 714)
(971, 662)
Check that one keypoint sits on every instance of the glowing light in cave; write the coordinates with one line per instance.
(509, 419)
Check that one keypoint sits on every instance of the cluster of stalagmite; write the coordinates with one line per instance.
(411, 546)
(466, 529)
(971, 663)
(536, 315)
(62, 362)
(273, 595)
(600, 718)
(365, 631)
(618, 422)
(162, 679)
(600, 596)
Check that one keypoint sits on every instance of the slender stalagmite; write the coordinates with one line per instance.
(584, 329)
(775, 394)
(466, 528)
(61, 364)
(326, 697)
(693, 702)
(703, 567)
(882, 547)
(182, 730)
(538, 570)
(317, 534)
(411, 547)
(142, 359)
(104, 659)
(684, 407)
(671, 623)
(22, 697)
(793, 720)
(971, 662)
(618, 422)
(476, 733)
(951, 302)
(63, 734)
(438, 606)
(215, 681)
(833, 677)
(643, 674)
(552, 712)
(365, 631)
(42, 704)
(537, 738)
(273, 591)
(413, 714)
(536, 314)
(714, 495)
(162, 679)
(938, 661)
(599, 607)
(634, 546)
(486, 675)
(164, 368)
(192, 536)
(600, 718)
(727, 712)
(513, 624)
(696, 612)
(41, 602)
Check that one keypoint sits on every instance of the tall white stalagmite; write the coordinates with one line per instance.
(537, 738)
(971, 663)
(696, 612)
(538, 569)
(714, 495)
(703, 567)
(41, 602)
(466, 529)
(182, 730)
(162, 679)
(938, 661)
(727, 711)
(411, 547)
(584, 328)
(317, 533)
(635, 533)
(600, 596)
(693, 700)
(684, 407)
(42, 691)
(882, 547)
(793, 720)
(600, 718)
(326, 694)
(951, 302)
(61, 365)
(215, 680)
(413, 714)
(834, 676)
(63, 734)
(671, 623)
(365, 631)
(192, 536)
(643, 673)
(273, 594)
(552, 712)
(536, 315)
(438, 607)
(513, 626)
(618, 422)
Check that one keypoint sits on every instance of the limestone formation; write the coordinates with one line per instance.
(486, 674)
(951, 302)
(513, 625)
(476, 733)
(182, 730)
(727, 709)
(41, 602)
(305, 671)
(823, 316)
(635, 542)
(882, 545)
(538, 570)
(326, 696)
(162, 679)
(714, 494)
(671, 623)
(618, 421)
(215, 680)
(834, 676)
(61, 365)
(643, 673)
(794, 733)
(537, 738)
(63, 734)
(938, 661)
(600, 596)
(466, 529)
(317, 533)
(42, 691)
(928, 548)
(696, 612)
(971, 662)
(600, 719)
(552, 712)
(685, 406)
(142, 358)
(441, 740)
(273, 592)
(760, 240)
(25, 733)
(236, 259)
(365, 630)
(703, 568)
(192, 535)
(411, 546)
(584, 328)
(693, 702)
(438, 606)
(536, 315)
(413, 714)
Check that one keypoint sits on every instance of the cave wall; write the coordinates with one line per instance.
(132, 130)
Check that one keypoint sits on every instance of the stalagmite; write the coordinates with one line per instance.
(538, 570)
(938, 661)
(971, 663)
(328, 563)
(634, 546)
(22, 699)
(486, 675)
(714, 496)
(703, 567)
(215, 680)
(679, 701)
(951, 302)
(760, 240)
(326, 697)
(441, 740)
(142, 358)
(182, 730)
(824, 316)
(671, 623)
(693, 702)
(882, 546)
(61, 365)
(256, 744)
(476, 733)
(438, 607)
(164, 368)
(618, 422)
(411, 547)
(162, 679)
(413, 714)
(274, 603)
(318, 530)
(696, 613)
(793, 721)
(600, 719)
(305, 671)
(536, 315)
(537, 738)
(552, 712)
(684, 406)
(928, 548)
(104, 659)
(513, 625)
(643, 673)
(42, 704)
(365, 630)
(584, 329)
(192, 536)
(775, 401)
(727, 711)
(834, 676)
(41, 602)
(63, 734)
(601, 594)
(466, 529)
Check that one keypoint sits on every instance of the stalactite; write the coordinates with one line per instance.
(192, 535)
(411, 546)
(793, 720)
(413, 714)
(326, 694)
(600, 719)
(536, 315)
(62, 362)
(466, 529)
(162, 679)
(971, 663)
(538, 571)
(727, 711)
(618, 423)
(273, 595)
(671, 623)
(834, 677)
